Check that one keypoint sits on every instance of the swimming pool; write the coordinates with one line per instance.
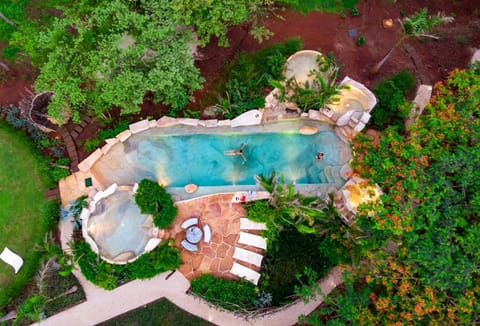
(118, 227)
(181, 155)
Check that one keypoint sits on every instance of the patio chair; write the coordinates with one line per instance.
(207, 233)
(189, 246)
(245, 272)
(188, 223)
(248, 256)
(246, 224)
(252, 240)
(12, 259)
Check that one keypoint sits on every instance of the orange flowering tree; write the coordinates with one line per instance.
(429, 214)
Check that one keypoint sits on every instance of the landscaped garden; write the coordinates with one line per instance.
(411, 258)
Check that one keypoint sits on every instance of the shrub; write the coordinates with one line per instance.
(155, 200)
(391, 108)
(251, 73)
(228, 294)
(283, 261)
(361, 40)
(164, 258)
(333, 6)
(354, 12)
(92, 144)
(108, 276)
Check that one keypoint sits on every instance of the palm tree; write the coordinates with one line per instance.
(418, 25)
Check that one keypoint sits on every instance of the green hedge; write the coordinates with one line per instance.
(155, 200)
(108, 276)
(228, 294)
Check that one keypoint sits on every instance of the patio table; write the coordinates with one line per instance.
(194, 234)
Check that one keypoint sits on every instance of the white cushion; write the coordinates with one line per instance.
(191, 221)
(248, 256)
(245, 272)
(252, 240)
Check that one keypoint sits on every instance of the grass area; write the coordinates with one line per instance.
(332, 6)
(23, 221)
(161, 312)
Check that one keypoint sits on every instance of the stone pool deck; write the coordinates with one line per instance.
(223, 217)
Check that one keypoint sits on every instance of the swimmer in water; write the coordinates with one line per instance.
(319, 156)
(237, 152)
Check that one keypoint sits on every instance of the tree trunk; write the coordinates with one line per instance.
(379, 65)
(8, 21)
(4, 66)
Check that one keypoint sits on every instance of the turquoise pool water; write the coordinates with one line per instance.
(190, 155)
(118, 227)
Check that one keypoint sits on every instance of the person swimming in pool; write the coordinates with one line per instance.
(237, 152)
(319, 156)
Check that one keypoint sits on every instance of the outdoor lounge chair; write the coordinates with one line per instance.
(248, 256)
(245, 272)
(246, 224)
(189, 246)
(12, 259)
(252, 240)
(188, 223)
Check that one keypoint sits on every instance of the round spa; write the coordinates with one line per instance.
(118, 229)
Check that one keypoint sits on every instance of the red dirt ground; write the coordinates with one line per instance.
(328, 32)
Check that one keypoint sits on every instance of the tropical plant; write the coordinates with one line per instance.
(309, 215)
(392, 108)
(418, 25)
(316, 93)
(249, 76)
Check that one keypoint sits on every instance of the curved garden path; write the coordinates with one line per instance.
(102, 305)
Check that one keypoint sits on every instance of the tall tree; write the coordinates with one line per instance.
(100, 53)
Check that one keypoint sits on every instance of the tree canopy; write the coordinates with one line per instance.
(98, 54)
(430, 209)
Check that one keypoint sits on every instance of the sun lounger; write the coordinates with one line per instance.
(252, 240)
(245, 272)
(207, 233)
(248, 256)
(246, 224)
(189, 246)
(191, 221)
(12, 259)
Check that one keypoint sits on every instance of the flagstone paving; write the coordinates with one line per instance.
(215, 257)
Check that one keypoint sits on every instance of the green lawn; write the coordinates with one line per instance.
(161, 312)
(22, 202)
